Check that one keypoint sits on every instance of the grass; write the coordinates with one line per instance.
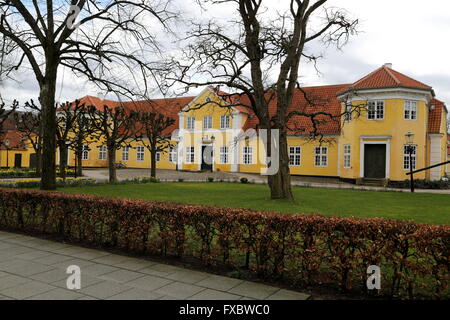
(419, 207)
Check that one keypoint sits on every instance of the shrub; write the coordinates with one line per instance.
(180, 180)
(210, 179)
(420, 184)
(299, 249)
(244, 180)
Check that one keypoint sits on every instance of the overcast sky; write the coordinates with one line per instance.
(410, 34)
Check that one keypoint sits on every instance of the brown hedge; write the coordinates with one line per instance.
(302, 249)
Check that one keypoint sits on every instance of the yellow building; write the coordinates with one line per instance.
(362, 131)
(15, 150)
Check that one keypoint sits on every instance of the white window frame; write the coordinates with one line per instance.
(223, 155)
(85, 152)
(295, 156)
(321, 157)
(410, 110)
(406, 158)
(190, 123)
(247, 155)
(225, 122)
(140, 153)
(125, 153)
(173, 154)
(102, 153)
(207, 122)
(190, 154)
(375, 104)
(347, 156)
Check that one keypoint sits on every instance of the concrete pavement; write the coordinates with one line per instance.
(35, 269)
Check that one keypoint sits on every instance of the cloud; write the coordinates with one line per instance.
(409, 34)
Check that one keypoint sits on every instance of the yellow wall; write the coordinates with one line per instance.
(393, 125)
(307, 162)
(7, 158)
(132, 162)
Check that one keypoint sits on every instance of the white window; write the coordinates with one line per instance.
(190, 154)
(294, 156)
(376, 110)
(347, 156)
(102, 153)
(248, 155)
(207, 122)
(223, 155)
(406, 157)
(410, 110)
(190, 123)
(140, 153)
(125, 153)
(224, 122)
(348, 113)
(85, 153)
(173, 154)
(158, 156)
(321, 157)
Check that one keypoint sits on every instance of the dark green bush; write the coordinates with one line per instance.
(420, 184)
(244, 180)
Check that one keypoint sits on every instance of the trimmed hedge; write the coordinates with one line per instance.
(420, 184)
(302, 249)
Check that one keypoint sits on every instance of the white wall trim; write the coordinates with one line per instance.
(388, 93)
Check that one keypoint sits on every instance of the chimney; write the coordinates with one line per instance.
(388, 65)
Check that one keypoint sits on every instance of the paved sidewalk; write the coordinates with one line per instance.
(35, 269)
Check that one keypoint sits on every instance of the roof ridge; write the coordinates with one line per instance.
(404, 75)
(388, 70)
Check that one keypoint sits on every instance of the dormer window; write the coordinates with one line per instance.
(410, 110)
(224, 122)
(376, 110)
(190, 123)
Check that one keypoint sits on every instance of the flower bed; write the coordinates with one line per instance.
(27, 173)
(302, 249)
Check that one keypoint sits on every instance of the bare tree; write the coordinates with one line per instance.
(80, 135)
(116, 126)
(245, 55)
(154, 123)
(29, 123)
(5, 112)
(71, 132)
(103, 41)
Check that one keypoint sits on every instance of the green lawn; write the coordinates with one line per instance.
(428, 208)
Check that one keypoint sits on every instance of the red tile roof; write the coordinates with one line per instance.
(15, 138)
(170, 107)
(435, 116)
(386, 77)
(305, 100)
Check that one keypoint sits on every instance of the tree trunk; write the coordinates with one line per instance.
(79, 161)
(38, 163)
(153, 163)
(63, 152)
(47, 100)
(280, 183)
(112, 165)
